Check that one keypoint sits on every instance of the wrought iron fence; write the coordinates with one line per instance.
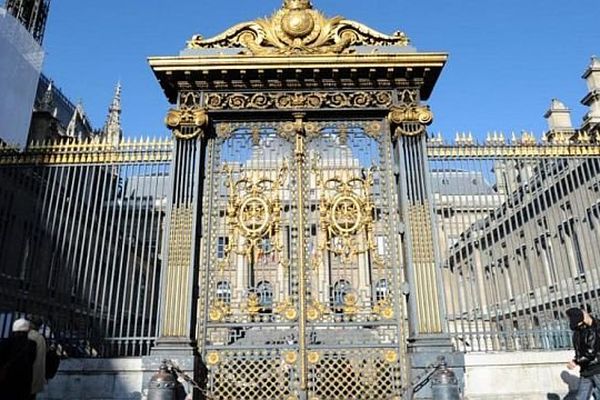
(81, 231)
(82, 227)
(518, 229)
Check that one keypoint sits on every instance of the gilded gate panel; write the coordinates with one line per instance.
(299, 281)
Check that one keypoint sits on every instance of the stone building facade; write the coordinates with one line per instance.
(518, 254)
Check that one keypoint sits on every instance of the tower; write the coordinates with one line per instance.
(32, 14)
(112, 132)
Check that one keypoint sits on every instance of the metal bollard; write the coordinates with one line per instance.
(444, 385)
(163, 384)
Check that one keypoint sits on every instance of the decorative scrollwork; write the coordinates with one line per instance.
(384, 309)
(410, 119)
(346, 210)
(287, 309)
(223, 130)
(298, 29)
(350, 305)
(253, 215)
(297, 100)
(373, 129)
(190, 119)
(252, 306)
(219, 310)
(316, 310)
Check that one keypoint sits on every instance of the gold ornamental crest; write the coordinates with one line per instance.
(297, 28)
(254, 213)
(254, 216)
(347, 214)
(347, 225)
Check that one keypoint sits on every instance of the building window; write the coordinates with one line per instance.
(524, 263)
(224, 292)
(593, 216)
(570, 238)
(266, 251)
(340, 289)
(543, 249)
(264, 289)
(266, 246)
(505, 271)
(381, 290)
(222, 243)
(380, 245)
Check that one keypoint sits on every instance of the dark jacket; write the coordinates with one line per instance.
(586, 342)
(16, 367)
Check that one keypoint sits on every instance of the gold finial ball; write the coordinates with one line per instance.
(297, 4)
(298, 23)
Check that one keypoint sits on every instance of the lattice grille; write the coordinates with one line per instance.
(260, 375)
(354, 375)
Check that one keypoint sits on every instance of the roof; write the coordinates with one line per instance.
(457, 182)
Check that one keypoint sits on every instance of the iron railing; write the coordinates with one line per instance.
(82, 224)
(81, 230)
(519, 231)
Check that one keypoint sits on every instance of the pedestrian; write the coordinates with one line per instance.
(39, 365)
(586, 341)
(17, 354)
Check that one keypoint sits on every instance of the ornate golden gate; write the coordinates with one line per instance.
(287, 253)
(299, 278)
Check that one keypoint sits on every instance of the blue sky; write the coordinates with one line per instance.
(508, 58)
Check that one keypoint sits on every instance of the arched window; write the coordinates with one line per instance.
(381, 290)
(264, 289)
(339, 291)
(224, 292)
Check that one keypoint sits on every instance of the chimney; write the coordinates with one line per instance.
(592, 99)
(558, 117)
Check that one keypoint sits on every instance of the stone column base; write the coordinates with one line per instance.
(424, 352)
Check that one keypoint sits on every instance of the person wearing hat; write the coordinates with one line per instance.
(586, 341)
(17, 354)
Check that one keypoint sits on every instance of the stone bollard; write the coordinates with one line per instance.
(163, 384)
(444, 385)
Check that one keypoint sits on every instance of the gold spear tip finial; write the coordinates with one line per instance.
(297, 4)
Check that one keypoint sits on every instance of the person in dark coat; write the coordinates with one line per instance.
(586, 341)
(39, 364)
(17, 354)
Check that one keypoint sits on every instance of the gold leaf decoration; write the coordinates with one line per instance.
(313, 357)
(290, 357)
(410, 119)
(298, 29)
(189, 120)
(213, 358)
(390, 356)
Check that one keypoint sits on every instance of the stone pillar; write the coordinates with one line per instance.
(188, 123)
(177, 341)
(428, 337)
